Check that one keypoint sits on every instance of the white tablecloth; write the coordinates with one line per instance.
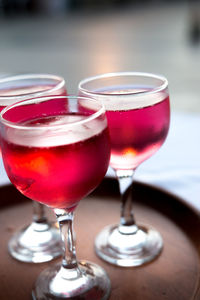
(176, 166)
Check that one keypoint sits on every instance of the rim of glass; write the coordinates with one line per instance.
(18, 77)
(95, 115)
(161, 87)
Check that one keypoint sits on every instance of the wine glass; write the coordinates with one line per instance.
(138, 113)
(39, 241)
(57, 157)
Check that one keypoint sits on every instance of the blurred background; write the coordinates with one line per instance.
(80, 38)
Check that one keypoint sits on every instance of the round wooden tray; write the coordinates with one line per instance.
(174, 275)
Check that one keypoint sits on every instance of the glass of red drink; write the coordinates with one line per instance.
(138, 113)
(39, 241)
(57, 158)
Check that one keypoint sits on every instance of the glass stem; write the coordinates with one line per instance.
(65, 221)
(39, 213)
(40, 222)
(127, 221)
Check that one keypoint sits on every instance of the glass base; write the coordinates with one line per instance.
(91, 282)
(36, 243)
(134, 247)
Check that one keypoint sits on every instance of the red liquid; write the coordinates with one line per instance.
(58, 176)
(136, 134)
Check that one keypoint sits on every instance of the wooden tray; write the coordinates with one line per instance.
(174, 275)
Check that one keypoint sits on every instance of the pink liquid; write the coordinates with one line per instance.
(58, 176)
(136, 134)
